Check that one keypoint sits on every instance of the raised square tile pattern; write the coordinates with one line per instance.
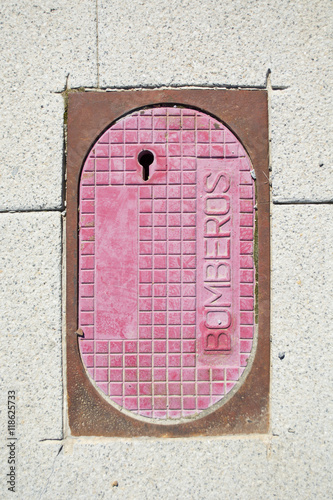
(146, 342)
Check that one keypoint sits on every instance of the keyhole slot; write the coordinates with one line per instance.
(145, 158)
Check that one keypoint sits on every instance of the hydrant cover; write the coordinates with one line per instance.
(166, 268)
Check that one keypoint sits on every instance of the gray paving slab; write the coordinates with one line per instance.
(301, 128)
(192, 42)
(301, 143)
(32, 140)
(44, 42)
(299, 40)
(302, 315)
(177, 43)
(30, 331)
(44, 47)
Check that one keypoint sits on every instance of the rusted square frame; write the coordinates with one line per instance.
(245, 113)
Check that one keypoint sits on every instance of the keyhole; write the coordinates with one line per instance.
(145, 159)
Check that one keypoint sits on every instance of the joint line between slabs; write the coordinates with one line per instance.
(303, 202)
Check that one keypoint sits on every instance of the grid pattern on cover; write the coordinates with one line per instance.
(247, 268)
(156, 375)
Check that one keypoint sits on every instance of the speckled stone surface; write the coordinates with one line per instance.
(302, 315)
(30, 305)
(175, 43)
(167, 43)
(291, 462)
(236, 43)
(31, 163)
(41, 45)
(43, 42)
(301, 145)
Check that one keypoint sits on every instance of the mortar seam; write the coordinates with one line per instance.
(163, 86)
(97, 46)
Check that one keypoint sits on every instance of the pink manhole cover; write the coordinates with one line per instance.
(166, 289)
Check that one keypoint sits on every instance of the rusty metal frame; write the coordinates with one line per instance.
(245, 113)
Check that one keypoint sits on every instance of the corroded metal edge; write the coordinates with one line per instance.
(245, 113)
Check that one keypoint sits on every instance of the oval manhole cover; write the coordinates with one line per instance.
(166, 271)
